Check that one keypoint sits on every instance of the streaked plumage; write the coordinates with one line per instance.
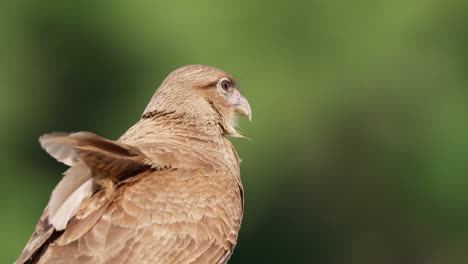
(167, 191)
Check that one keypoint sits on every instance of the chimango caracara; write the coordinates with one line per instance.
(167, 191)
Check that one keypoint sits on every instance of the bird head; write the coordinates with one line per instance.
(207, 95)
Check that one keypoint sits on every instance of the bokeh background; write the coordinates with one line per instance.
(359, 135)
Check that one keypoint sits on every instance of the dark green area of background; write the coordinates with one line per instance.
(359, 135)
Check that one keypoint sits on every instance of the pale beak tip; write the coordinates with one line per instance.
(243, 107)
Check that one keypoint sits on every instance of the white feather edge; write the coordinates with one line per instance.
(71, 205)
(75, 186)
(58, 149)
(73, 178)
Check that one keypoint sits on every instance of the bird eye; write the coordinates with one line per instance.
(226, 84)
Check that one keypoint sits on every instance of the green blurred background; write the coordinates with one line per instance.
(359, 135)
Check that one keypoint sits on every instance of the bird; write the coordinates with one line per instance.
(167, 191)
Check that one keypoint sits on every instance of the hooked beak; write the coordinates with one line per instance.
(241, 105)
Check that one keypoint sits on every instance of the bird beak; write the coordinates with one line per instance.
(243, 108)
(241, 105)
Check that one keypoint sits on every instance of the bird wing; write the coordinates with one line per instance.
(95, 163)
(101, 155)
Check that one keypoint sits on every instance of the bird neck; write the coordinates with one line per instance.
(160, 135)
(158, 126)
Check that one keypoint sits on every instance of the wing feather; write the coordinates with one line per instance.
(92, 160)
